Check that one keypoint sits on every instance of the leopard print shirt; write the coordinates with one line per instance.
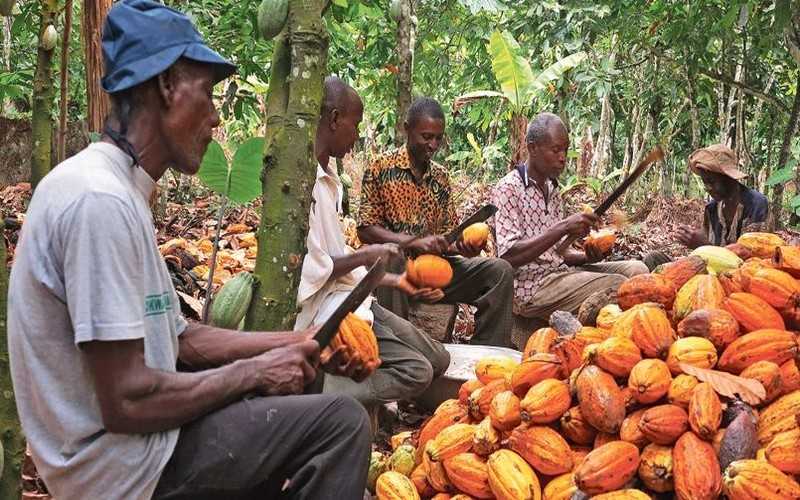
(392, 198)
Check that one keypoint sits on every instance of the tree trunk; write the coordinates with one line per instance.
(587, 153)
(62, 117)
(42, 123)
(98, 104)
(406, 40)
(694, 118)
(10, 431)
(289, 164)
(788, 135)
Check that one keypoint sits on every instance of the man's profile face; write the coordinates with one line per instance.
(346, 128)
(424, 138)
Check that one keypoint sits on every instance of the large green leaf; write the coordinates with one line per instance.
(781, 176)
(214, 169)
(246, 171)
(555, 70)
(512, 71)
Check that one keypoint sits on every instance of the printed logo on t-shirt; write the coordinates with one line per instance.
(157, 304)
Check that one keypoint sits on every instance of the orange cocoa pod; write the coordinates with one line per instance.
(592, 335)
(505, 411)
(652, 332)
(579, 455)
(569, 351)
(718, 326)
(741, 251)
(602, 438)
(560, 488)
(664, 424)
(701, 292)
(695, 469)
(778, 417)
(626, 494)
(607, 468)
(357, 334)
(716, 441)
(761, 345)
(480, 401)
(392, 485)
(450, 442)
(681, 389)
(760, 244)
(420, 479)
(442, 496)
(655, 468)
(467, 388)
(533, 370)
(777, 288)
(546, 401)
(769, 375)
(705, 411)
(731, 281)
(695, 351)
(449, 413)
(494, 367)
(575, 428)
(468, 472)
(753, 313)
(646, 288)
(630, 431)
(511, 478)
(756, 479)
(476, 234)
(787, 259)
(607, 316)
(601, 400)
(682, 270)
(486, 439)
(784, 451)
(436, 475)
(650, 380)
(543, 448)
(790, 376)
(539, 342)
(429, 271)
(617, 355)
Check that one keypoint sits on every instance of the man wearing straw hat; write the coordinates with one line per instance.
(733, 209)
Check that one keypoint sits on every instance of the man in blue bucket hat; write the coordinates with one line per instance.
(95, 331)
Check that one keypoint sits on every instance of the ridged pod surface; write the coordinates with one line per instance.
(630, 431)
(450, 442)
(511, 478)
(617, 356)
(761, 345)
(753, 313)
(494, 367)
(486, 439)
(480, 401)
(705, 411)
(784, 451)
(790, 376)
(731, 281)
(429, 271)
(435, 473)
(652, 332)
(777, 288)
(592, 335)
(646, 288)
(695, 469)
(682, 270)
(761, 245)
(357, 335)
(505, 411)
(604, 438)
(420, 479)
(717, 325)
(741, 251)
(787, 259)
(539, 342)
(769, 375)
(560, 488)
(601, 400)
(395, 486)
(655, 468)
(607, 316)
(546, 401)
(468, 472)
(681, 389)
(449, 413)
(650, 380)
(718, 259)
(664, 424)
(695, 351)
(533, 370)
(468, 388)
(626, 494)
(543, 448)
(607, 468)
(701, 292)
(756, 480)
(575, 428)
(778, 417)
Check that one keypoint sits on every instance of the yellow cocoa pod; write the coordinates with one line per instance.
(511, 478)
(392, 485)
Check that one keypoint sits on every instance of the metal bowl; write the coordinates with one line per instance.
(463, 358)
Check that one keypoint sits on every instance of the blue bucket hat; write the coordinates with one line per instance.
(142, 39)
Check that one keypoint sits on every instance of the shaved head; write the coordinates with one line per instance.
(338, 95)
(340, 116)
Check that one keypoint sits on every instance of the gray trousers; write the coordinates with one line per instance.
(409, 362)
(319, 443)
(486, 283)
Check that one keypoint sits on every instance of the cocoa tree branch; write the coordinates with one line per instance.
(769, 99)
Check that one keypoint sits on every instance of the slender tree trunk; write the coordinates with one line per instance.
(62, 117)
(406, 40)
(519, 150)
(767, 170)
(10, 431)
(694, 119)
(289, 164)
(776, 210)
(42, 122)
(98, 104)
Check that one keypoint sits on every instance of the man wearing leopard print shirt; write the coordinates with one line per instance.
(404, 194)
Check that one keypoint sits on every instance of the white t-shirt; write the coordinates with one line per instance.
(318, 295)
(88, 269)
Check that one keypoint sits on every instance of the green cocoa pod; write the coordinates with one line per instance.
(403, 460)
(232, 301)
(272, 15)
(49, 38)
(378, 464)
(395, 9)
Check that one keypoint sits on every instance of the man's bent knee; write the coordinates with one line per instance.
(635, 267)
